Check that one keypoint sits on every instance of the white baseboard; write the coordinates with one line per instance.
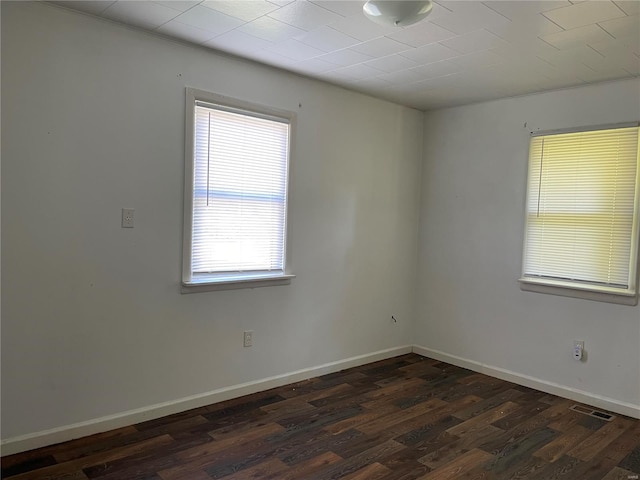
(581, 396)
(69, 432)
(98, 425)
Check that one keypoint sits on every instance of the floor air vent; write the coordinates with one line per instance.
(593, 413)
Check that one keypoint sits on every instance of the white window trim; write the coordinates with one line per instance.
(231, 280)
(588, 291)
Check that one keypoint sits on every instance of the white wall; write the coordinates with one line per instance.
(469, 303)
(92, 319)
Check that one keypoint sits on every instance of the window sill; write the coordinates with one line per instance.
(566, 289)
(233, 283)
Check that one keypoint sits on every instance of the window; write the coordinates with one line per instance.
(581, 233)
(237, 162)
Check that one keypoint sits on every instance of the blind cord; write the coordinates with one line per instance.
(208, 156)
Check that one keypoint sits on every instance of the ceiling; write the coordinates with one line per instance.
(464, 52)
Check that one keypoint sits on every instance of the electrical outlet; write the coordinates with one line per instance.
(248, 338)
(127, 217)
(578, 349)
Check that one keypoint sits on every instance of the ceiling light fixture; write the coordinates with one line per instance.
(397, 13)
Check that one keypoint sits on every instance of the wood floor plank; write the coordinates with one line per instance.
(204, 456)
(483, 420)
(403, 418)
(236, 429)
(515, 452)
(617, 473)
(459, 446)
(386, 421)
(614, 455)
(374, 471)
(366, 417)
(555, 449)
(269, 468)
(307, 468)
(632, 461)
(75, 466)
(305, 398)
(595, 443)
(314, 443)
(565, 468)
(488, 404)
(397, 387)
(403, 463)
(349, 465)
(144, 464)
(459, 466)
(195, 475)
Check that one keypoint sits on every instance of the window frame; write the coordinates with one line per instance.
(233, 280)
(585, 290)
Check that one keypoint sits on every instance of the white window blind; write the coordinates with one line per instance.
(239, 192)
(582, 209)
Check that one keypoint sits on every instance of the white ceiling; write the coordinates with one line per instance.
(466, 51)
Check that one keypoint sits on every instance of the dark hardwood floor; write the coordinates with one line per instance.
(404, 418)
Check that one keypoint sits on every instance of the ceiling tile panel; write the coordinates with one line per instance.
(360, 27)
(295, 49)
(270, 29)
(591, 76)
(438, 10)
(359, 72)
(345, 57)
(614, 59)
(477, 60)
(179, 5)
(582, 54)
(585, 13)
(140, 14)
(272, 58)
(344, 8)
(525, 29)
(618, 46)
(380, 47)
(525, 47)
(443, 81)
(327, 39)
(392, 63)
(421, 34)
(246, 10)
(207, 19)
(467, 16)
(623, 27)
(314, 65)
(630, 7)
(561, 81)
(524, 9)
(238, 42)
(577, 37)
(372, 86)
(185, 32)
(430, 53)
(305, 15)
(92, 7)
(474, 42)
(514, 75)
(438, 69)
(401, 77)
